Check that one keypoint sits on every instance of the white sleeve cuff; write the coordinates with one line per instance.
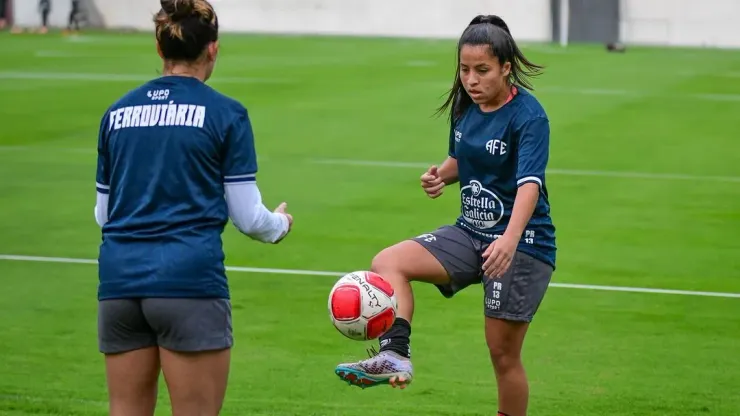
(250, 216)
(237, 179)
(101, 208)
(103, 189)
(529, 179)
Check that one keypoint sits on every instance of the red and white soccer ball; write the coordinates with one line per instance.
(362, 305)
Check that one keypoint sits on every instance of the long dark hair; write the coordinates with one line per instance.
(493, 31)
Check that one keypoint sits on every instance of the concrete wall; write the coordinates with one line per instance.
(655, 22)
(714, 23)
(528, 19)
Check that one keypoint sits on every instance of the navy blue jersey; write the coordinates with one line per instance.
(496, 153)
(165, 151)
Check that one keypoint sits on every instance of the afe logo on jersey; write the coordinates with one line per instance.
(480, 207)
(496, 146)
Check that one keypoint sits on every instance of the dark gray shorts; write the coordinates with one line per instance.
(182, 325)
(515, 296)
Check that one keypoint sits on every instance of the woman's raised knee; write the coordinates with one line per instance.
(388, 262)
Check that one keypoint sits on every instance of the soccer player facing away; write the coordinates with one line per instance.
(176, 160)
(504, 237)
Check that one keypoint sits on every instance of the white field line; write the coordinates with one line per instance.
(113, 77)
(417, 165)
(37, 259)
(569, 172)
(102, 77)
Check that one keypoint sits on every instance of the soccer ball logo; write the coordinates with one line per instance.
(362, 305)
(475, 187)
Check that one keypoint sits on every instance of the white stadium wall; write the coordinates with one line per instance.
(529, 20)
(26, 13)
(711, 23)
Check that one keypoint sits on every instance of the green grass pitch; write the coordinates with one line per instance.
(644, 184)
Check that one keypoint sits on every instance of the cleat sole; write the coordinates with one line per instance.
(358, 378)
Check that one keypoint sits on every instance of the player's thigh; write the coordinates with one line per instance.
(410, 260)
(510, 304)
(456, 258)
(195, 337)
(517, 295)
(196, 381)
(131, 354)
(132, 379)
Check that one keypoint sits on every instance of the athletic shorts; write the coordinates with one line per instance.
(515, 296)
(181, 325)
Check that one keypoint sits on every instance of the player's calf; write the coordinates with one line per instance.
(400, 264)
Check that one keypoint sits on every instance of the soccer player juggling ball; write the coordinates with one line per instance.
(176, 160)
(504, 237)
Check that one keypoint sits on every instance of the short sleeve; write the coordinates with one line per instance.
(451, 151)
(533, 152)
(102, 177)
(240, 157)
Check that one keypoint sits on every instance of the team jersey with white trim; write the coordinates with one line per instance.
(166, 151)
(497, 152)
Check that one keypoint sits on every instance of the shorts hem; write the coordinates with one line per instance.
(199, 345)
(161, 295)
(509, 317)
(106, 349)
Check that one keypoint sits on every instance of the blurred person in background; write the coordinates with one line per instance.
(44, 9)
(503, 238)
(3, 14)
(176, 160)
(73, 23)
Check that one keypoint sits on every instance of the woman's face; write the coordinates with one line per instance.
(482, 76)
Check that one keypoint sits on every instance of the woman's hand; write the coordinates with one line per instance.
(498, 256)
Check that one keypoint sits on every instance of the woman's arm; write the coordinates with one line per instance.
(251, 217)
(448, 171)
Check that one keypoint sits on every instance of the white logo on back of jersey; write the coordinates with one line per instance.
(480, 206)
(158, 95)
(158, 115)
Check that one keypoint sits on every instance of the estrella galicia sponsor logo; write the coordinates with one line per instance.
(481, 208)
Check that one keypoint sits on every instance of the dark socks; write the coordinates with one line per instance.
(500, 413)
(396, 339)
